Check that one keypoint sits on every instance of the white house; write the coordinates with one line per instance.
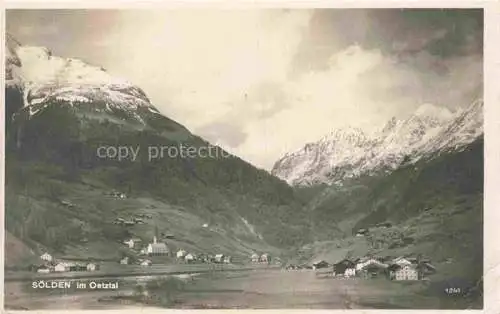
(362, 262)
(181, 254)
(132, 243)
(92, 267)
(228, 260)
(255, 258)
(46, 257)
(320, 264)
(219, 258)
(361, 232)
(124, 261)
(129, 243)
(44, 270)
(264, 258)
(189, 257)
(402, 261)
(146, 263)
(67, 203)
(157, 248)
(350, 272)
(371, 261)
(61, 267)
(406, 272)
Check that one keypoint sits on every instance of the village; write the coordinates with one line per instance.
(141, 253)
(399, 268)
(50, 264)
(147, 255)
(144, 248)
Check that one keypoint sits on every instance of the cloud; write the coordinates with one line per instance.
(229, 76)
(221, 73)
(418, 43)
(43, 30)
(318, 102)
(204, 62)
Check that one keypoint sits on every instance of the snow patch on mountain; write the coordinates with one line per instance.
(251, 228)
(39, 67)
(350, 152)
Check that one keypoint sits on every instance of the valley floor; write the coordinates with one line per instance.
(257, 289)
(308, 289)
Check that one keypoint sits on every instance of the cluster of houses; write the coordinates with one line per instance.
(260, 259)
(67, 203)
(315, 265)
(143, 262)
(139, 219)
(365, 231)
(50, 264)
(362, 232)
(152, 249)
(117, 195)
(400, 268)
(161, 249)
(182, 255)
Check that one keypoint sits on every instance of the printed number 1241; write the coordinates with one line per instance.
(452, 290)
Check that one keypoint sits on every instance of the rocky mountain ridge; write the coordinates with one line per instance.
(350, 152)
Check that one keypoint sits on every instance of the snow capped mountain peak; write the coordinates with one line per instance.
(40, 67)
(11, 43)
(345, 145)
(350, 152)
(466, 126)
(390, 125)
(351, 135)
(45, 79)
(426, 116)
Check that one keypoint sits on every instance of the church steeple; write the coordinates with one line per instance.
(155, 238)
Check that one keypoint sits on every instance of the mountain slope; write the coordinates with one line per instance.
(434, 208)
(61, 111)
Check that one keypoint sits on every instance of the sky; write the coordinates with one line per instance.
(261, 83)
